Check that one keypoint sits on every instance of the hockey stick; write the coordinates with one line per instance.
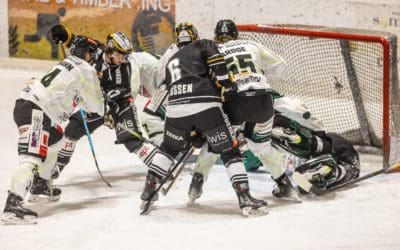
(178, 171)
(91, 146)
(134, 133)
(146, 207)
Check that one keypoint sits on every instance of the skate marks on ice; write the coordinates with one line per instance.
(86, 192)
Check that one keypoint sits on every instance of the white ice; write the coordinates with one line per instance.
(92, 216)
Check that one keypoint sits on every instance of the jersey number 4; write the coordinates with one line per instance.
(47, 79)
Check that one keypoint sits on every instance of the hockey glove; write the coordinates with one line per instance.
(61, 34)
(109, 121)
(113, 109)
(197, 139)
(228, 94)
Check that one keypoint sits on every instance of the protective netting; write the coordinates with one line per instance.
(339, 78)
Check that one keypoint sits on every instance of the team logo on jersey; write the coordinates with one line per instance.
(217, 138)
(174, 136)
(144, 151)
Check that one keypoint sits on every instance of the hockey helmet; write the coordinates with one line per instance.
(119, 42)
(225, 30)
(185, 33)
(80, 45)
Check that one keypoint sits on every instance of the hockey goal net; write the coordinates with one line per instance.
(347, 77)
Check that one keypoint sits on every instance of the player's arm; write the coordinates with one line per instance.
(217, 64)
(270, 62)
(91, 94)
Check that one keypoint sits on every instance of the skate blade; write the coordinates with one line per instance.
(35, 198)
(292, 198)
(11, 219)
(191, 202)
(251, 212)
(143, 205)
(192, 198)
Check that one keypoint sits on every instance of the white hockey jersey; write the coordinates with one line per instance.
(162, 64)
(143, 68)
(71, 84)
(159, 97)
(248, 62)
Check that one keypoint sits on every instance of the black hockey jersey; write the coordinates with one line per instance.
(188, 76)
(114, 79)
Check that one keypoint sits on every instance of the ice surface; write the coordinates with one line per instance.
(92, 216)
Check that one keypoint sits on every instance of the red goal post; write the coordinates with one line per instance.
(348, 77)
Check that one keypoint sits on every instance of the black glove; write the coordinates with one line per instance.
(113, 109)
(60, 34)
(197, 139)
(228, 94)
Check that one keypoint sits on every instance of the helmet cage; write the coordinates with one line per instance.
(185, 33)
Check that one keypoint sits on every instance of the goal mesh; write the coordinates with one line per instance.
(347, 77)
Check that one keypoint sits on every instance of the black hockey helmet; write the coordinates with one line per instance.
(119, 42)
(185, 33)
(80, 45)
(225, 30)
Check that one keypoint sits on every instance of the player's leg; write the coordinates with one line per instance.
(279, 163)
(176, 139)
(33, 126)
(222, 140)
(128, 118)
(73, 132)
(42, 182)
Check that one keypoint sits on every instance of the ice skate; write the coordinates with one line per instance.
(286, 189)
(42, 188)
(149, 189)
(250, 206)
(196, 188)
(15, 214)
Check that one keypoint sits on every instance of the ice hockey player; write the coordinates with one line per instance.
(122, 74)
(248, 63)
(153, 114)
(73, 83)
(193, 99)
(326, 159)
